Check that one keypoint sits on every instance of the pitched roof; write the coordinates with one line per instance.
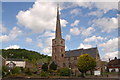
(114, 63)
(78, 52)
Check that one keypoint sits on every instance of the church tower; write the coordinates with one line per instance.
(58, 44)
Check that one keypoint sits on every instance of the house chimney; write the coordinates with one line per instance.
(115, 58)
(109, 59)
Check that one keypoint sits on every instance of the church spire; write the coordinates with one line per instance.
(58, 26)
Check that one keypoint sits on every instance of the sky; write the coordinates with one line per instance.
(31, 25)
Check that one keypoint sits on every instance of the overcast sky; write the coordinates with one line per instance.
(31, 25)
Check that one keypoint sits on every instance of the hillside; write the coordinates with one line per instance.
(24, 54)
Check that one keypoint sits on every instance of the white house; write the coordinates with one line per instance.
(114, 65)
(15, 62)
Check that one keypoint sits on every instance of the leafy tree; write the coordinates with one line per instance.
(64, 72)
(45, 67)
(23, 54)
(53, 66)
(85, 63)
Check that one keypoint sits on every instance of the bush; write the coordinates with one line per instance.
(45, 67)
(28, 71)
(16, 70)
(4, 71)
(44, 74)
(53, 66)
(64, 72)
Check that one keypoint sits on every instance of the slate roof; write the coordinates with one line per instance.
(114, 63)
(78, 52)
(13, 59)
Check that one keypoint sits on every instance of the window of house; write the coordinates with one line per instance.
(69, 65)
(64, 65)
(75, 58)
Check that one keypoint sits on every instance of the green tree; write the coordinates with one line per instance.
(85, 63)
(53, 66)
(64, 72)
(45, 67)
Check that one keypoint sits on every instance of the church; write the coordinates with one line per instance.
(69, 58)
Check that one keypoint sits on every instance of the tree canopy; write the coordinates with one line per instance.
(22, 54)
(86, 63)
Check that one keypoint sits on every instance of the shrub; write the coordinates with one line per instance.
(64, 72)
(44, 74)
(16, 70)
(53, 66)
(28, 71)
(45, 67)
(4, 71)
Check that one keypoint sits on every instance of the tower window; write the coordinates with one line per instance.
(55, 57)
(62, 55)
(61, 42)
(55, 49)
(61, 49)
(64, 65)
(55, 42)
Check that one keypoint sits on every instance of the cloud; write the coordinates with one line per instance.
(76, 22)
(75, 31)
(13, 47)
(14, 33)
(75, 12)
(67, 37)
(47, 50)
(106, 6)
(96, 13)
(63, 22)
(29, 40)
(41, 17)
(84, 46)
(110, 46)
(111, 55)
(40, 45)
(94, 38)
(4, 38)
(106, 24)
(2, 28)
(48, 34)
(110, 49)
(84, 4)
(101, 6)
(88, 31)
